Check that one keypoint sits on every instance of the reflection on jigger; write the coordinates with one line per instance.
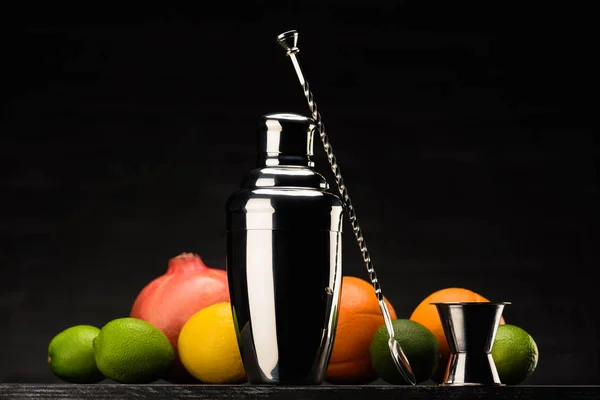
(470, 329)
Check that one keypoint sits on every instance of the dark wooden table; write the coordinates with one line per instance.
(216, 392)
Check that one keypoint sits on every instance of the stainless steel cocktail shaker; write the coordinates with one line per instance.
(284, 258)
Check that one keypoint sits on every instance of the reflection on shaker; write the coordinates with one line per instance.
(284, 258)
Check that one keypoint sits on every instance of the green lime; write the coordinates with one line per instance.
(419, 345)
(515, 354)
(130, 350)
(71, 355)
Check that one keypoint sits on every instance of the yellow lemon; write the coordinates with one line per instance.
(208, 346)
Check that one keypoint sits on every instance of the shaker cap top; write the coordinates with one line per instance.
(286, 139)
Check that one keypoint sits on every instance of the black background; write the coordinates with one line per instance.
(464, 132)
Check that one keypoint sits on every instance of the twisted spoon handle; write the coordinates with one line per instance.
(288, 40)
(335, 168)
(351, 212)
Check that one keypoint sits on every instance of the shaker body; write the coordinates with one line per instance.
(284, 266)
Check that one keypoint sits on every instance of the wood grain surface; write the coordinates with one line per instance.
(246, 392)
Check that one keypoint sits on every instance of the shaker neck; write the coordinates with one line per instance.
(285, 140)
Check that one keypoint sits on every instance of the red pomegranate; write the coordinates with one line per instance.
(171, 299)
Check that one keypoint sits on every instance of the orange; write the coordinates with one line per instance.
(358, 319)
(426, 314)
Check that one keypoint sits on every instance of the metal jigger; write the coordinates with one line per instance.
(470, 329)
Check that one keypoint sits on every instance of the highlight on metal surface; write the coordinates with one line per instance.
(284, 241)
(470, 328)
(289, 42)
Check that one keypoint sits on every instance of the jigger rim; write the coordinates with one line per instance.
(471, 303)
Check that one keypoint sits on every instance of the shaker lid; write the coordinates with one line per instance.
(286, 139)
